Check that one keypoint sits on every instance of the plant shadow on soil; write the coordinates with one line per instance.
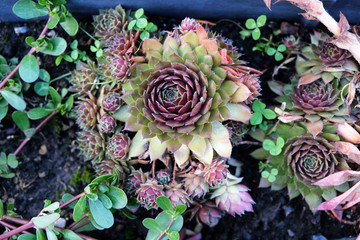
(48, 175)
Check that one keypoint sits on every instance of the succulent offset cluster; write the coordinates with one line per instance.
(166, 102)
(315, 122)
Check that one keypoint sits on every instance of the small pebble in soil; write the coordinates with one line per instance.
(22, 29)
(61, 223)
(318, 237)
(291, 233)
(288, 210)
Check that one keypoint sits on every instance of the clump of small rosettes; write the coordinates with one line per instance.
(116, 69)
(163, 177)
(91, 145)
(119, 44)
(82, 79)
(216, 173)
(177, 194)
(195, 184)
(148, 192)
(111, 102)
(118, 146)
(107, 166)
(107, 124)
(292, 44)
(86, 112)
(188, 24)
(210, 214)
(134, 181)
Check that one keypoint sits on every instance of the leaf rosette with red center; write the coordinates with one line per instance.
(179, 96)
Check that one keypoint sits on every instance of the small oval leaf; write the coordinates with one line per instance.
(14, 100)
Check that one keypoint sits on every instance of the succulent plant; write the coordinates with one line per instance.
(86, 113)
(109, 22)
(119, 44)
(118, 146)
(163, 177)
(324, 60)
(91, 145)
(82, 79)
(292, 44)
(177, 194)
(304, 160)
(195, 184)
(233, 198)
(312, 159)
(188, 24)
(116, 69)
(107, 124)
(216, 173)
(111, 102)
(148, 192)
(106, 167)
(179, 96)
(247, 87)
(315, 97)
(226, 45)
(134, 181)
(210, 214)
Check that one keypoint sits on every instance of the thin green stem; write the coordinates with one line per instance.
(90, 36)
(229, 20)
(60, 77)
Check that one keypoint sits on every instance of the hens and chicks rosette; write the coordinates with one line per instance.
(164, 102)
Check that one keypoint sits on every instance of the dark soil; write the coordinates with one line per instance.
(49, 161)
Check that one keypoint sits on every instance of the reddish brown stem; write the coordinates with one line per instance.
(81, 225)
(36, 129)
(8, 225)
(248, 143)
(32, 50)
(72, 200)
(71, 226)
(163, 233)
(17, 230)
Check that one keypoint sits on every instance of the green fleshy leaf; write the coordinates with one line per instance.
(250, 23)
(117, 197)
(28, 9)
(79, 208)
(70, 235)
(29, 69)
(46, 220)
(102, 216)
(164, 203)
(14, 100)
(70, 25)
(55, 46)
(21, 120)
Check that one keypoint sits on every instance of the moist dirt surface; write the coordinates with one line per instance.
(50, 159)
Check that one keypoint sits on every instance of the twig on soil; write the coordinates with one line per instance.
(8, 225)
(248, 143)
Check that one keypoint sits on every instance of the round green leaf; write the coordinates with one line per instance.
(70, 25)
(28, 9)
(261, 20)
(144, 35)
(180, 208)
(70, 235)
(3, 109)
(27, 237)
(271, 178)
(44, 75)
(41, 88)
(280, 142)
(38, 113)
(139, 13)
(29, 69)
(274, 171)
(151, 224)
(117, 197)
(256, 34)
(105, 200)
(46, 220)
(53, 22)
(265, 174)
(79, 208)
(268, 144)
(14, 100)
(101, 215)
(131, 24)
(250, 23)
(21, 120)
(164, 203)
(55, 46)
(141, 23)
(281, 48)
(271, 51)
(279, 56)
(256, 119)
(269, 114)
(258, 106)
